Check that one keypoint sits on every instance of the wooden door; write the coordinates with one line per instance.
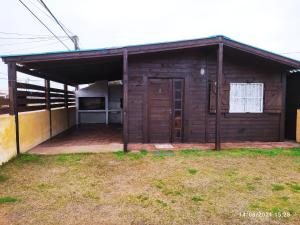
(165, 121)
(160, 110)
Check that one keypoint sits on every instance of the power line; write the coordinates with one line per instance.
(27, 42)
(59, 24)
(43, 24)
(52, 17)
(45, 13)
(28, 38)
(30, 48)
(22, 34)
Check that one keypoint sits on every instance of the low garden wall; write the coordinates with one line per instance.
(34, 128)
(7, 138)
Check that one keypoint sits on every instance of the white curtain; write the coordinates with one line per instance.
(246, 97)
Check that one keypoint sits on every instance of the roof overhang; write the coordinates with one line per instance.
(28, 63)
(109, 52)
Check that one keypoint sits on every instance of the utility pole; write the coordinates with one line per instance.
(75, 40)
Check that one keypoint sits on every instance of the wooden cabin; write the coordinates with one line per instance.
(197, 91)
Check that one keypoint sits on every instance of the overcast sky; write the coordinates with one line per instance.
(269, 24)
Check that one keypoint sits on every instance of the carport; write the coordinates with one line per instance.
(71, 69)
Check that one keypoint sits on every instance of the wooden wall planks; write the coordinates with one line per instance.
(199, 122)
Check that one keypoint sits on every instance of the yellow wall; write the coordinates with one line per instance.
(34, 128)
(298, 126)
(8, 147)
(72, 116)
(59, 120)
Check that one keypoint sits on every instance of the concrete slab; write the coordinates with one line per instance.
(85, 138)
(100, 148)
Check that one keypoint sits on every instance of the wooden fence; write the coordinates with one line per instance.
(61, 98)
(31, 97)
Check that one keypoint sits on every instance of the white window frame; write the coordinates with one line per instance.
(244, 110)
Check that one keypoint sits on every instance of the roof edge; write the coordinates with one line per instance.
(261, 52)
(119, 49)
(154, 47)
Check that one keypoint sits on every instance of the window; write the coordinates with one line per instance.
(246, 97)
(178, 109)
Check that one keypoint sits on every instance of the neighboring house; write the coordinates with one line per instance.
(205, 90)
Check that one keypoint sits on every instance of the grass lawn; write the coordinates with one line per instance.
(239, 186)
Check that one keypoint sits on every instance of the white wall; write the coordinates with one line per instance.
(112, 112)
(98, 89)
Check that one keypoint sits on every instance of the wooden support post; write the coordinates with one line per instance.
(13, 104)
(219, 97)
(125, 99)
(66, 95)
(48, 103)
(106, 105)
(77, 107)
(282, 115)
(67, 103)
